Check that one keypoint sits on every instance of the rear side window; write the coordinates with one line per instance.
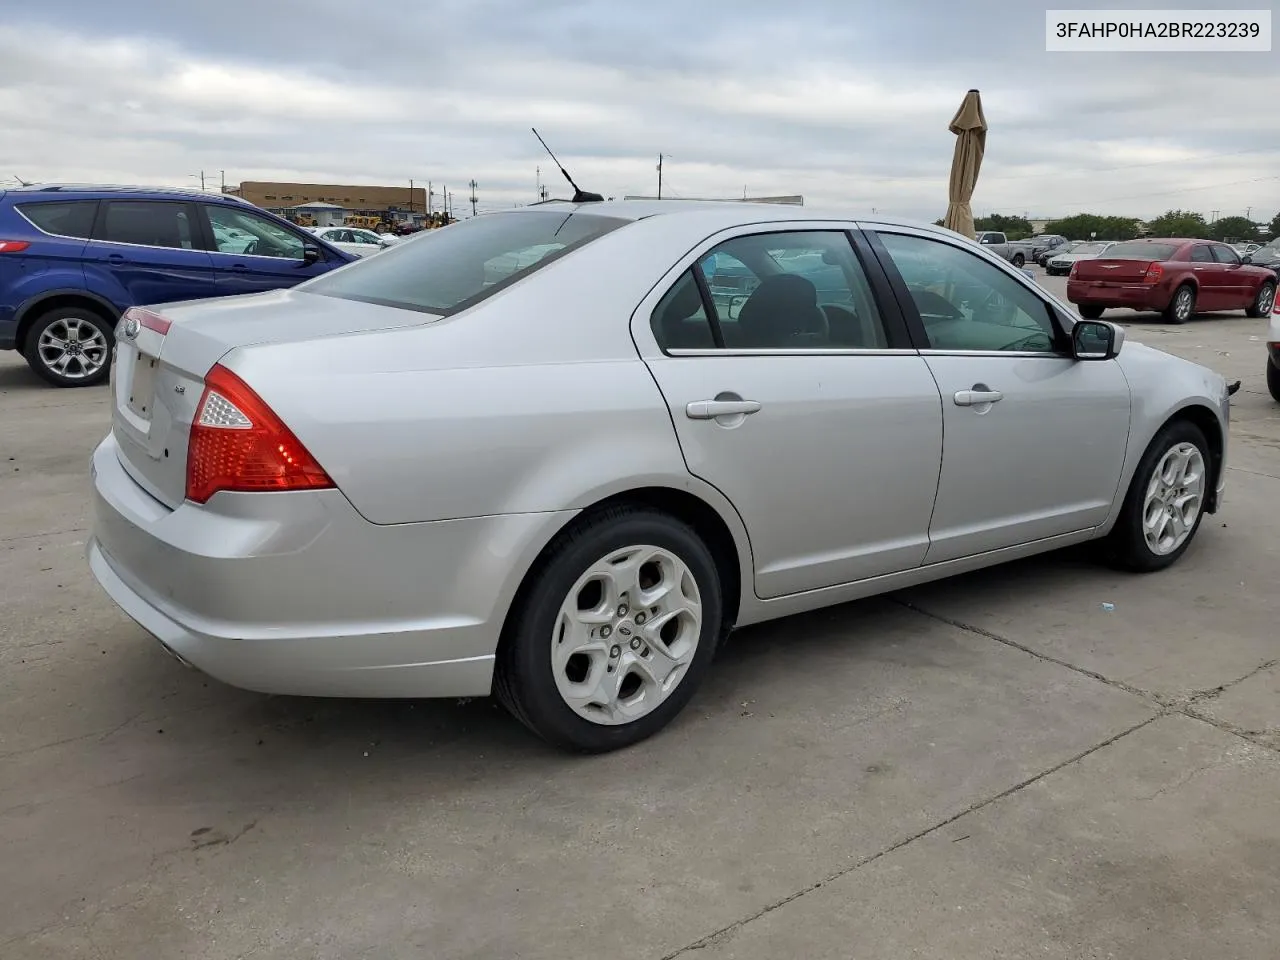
(68, 218)
(1201, 254)
(148, 223)
(1142, 251)
(450, 269)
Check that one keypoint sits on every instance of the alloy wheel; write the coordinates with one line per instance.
(1174, 498)
(626, 634)
(1266, 300)
(73, 348)
(1182, 305)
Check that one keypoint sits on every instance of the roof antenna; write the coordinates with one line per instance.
(25, 183)
(579, 195)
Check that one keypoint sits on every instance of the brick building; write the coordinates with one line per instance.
(390, 203)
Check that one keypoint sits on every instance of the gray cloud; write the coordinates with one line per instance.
(846, 104)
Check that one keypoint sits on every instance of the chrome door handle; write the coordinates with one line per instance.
(971, 398)
(710, 409)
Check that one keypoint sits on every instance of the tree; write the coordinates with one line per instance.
(1274, 229)
(1014, 228)
(1232, 229)
(1084, 226)
(1178, 223)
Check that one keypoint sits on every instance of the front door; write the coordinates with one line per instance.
(147, 251)
(253, 253)
(1034, 441)
(792, 395)
(1237, 285)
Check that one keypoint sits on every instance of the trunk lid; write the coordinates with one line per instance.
(1110, 271)
(157, 375)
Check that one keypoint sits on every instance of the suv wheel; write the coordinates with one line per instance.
(70, 347)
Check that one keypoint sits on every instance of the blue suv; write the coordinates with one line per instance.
(74, 258)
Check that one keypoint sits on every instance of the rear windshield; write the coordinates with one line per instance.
(452, 268)
(1089, 248)
(1142, 251)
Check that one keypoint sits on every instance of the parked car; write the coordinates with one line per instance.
(356, 240)
(1176, 277)
(1043, 257)
(567, 484)
(1267, 256)
(1245, 249)
(1059, 264)
(1043, 244)
(1273, 354)
(997, 243)
(74, 258)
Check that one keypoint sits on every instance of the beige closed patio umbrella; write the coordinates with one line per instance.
(970, 128)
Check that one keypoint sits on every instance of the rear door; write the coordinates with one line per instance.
(148, 251)
(794, 392)
(272, 256)
(1211, 279)
(1034, 439)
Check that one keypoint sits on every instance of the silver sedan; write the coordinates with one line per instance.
(558, 453)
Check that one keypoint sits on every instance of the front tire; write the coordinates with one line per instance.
(1182, 307)
(1090, 311)
(1165, 503)
(1273, 380)
(71, 347)
(1263, 302)
(614, 632)
(1019, 260)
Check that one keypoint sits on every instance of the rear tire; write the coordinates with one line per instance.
(1182, 305)
(1273, 380)
(1130, 546)
(569, 702)
(1019, 260)
(1263, 302)
(1090, 311)
(71, 347)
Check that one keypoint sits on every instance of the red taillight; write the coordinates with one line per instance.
(148, 320)
(238, 443)
(1153, 274)
(1075, 268)
(13, 246)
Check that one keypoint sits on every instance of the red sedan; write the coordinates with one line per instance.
(1175, 277)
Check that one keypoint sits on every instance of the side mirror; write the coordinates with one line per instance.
(1247, 258)
(311, 255)
(1096, 340)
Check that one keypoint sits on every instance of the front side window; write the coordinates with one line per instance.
(445, 271)
(1224, 254)
(790, 291)
(244, 232)
(966, 303)
(147, 223)
(67, 218)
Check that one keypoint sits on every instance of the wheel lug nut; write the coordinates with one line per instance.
(605, 631)
(640, 617)
(622, 609)
(635, 643)
(615, 651)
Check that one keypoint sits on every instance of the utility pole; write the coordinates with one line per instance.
(431, 193)
(473, 197)
(659, 176)
(223, 175)
(410, 198)
(1213, 216)
(1247, 212)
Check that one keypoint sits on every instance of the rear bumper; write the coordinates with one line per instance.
(296, 593)
(8, 330)
(1134, 296)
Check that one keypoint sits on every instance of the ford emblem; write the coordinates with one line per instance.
(131, 327)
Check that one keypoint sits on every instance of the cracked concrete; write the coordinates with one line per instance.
(993, 766)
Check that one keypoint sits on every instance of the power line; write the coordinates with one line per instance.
(1165, 193)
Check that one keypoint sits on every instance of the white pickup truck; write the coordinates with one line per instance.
(997, 242)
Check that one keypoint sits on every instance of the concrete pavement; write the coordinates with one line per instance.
(987, 767)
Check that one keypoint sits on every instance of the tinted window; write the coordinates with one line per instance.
(245, 232)
(71, 218)
(967, 303)
(1140, 250)
(149, 223)
(1201, 254)
(1087, 248)
(1225, 255)
(992, 238)
(447, 270)
(680, 318)
(789, 291)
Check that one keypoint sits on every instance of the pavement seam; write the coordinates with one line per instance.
(1147, 695)
(36, 536)
(720, 934)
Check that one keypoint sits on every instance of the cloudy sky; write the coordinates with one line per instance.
(844, 101)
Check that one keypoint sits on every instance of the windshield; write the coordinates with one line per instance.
(452, 268)
(1141, 250)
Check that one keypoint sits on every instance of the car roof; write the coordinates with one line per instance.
(727, 213)
(1168, 240)
(82, 191)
